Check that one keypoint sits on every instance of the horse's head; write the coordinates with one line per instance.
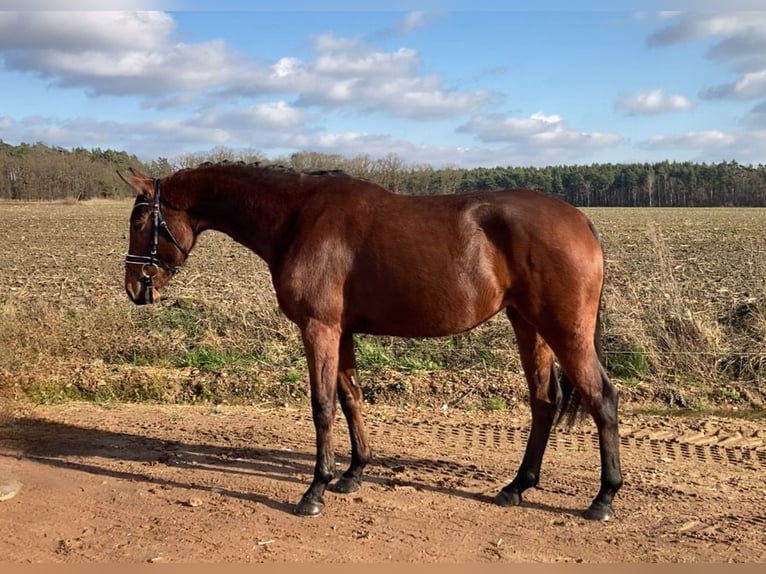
(160, 240)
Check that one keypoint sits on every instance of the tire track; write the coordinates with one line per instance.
(718, 508)
(717, 448)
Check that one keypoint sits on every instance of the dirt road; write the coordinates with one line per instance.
(169, 484)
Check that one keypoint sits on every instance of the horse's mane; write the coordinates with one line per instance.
(275, 167)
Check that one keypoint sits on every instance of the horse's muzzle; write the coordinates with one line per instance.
(142, 293)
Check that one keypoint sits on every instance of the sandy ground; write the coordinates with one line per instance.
(155, 483)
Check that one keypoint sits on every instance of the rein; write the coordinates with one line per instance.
(151, 263)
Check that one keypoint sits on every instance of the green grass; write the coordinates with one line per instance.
(494, 404)
(628, 364)
(211, 359)
(376, 353)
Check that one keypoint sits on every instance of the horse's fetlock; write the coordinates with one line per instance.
(325, 474)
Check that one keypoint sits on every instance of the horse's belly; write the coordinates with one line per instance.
(422, 315)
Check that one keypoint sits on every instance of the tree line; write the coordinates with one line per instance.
(41, 172)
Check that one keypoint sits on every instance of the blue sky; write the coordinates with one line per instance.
(442, 83)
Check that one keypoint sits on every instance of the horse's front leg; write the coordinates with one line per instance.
(321, 343)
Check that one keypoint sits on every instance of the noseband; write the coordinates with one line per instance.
(151, 263)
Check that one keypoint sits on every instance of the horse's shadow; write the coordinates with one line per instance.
(63, 445)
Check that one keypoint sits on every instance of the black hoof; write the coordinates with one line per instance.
(508, 498)
(346, 485)
(599, 511)
(309, 507)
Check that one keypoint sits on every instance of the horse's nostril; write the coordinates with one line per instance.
(135, 294)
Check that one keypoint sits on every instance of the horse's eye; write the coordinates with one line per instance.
(138, 225)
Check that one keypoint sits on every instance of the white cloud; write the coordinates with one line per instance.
(116, 53)
(748, 86)
(698, 140)
(347, 73)
(736, 39)
(358, 62)
(138, 54)
(500, 128)
(238, 102)
(739, 40)
(406, 25)
(696, 25)
(267, 125)
(412, 21)
(286, 68)
(270, 115)
(420, 98)
(539, 130)
(747, 147)
(30, 5)
(651, 102)
(63, 132)
(76, 32)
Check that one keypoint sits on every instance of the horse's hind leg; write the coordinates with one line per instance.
(599, 396)
(350, 395)
(544, 395)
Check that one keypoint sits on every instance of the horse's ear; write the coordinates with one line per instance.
(142, 184)
(138, 173)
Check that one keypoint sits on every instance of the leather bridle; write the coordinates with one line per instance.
(151, 263)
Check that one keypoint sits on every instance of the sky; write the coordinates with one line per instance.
(448, 83)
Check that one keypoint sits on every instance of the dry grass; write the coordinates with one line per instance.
(685, 303)
(685, 319)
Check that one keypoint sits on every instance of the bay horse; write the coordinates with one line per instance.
(348, 256)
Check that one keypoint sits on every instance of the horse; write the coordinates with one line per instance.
(348, 256)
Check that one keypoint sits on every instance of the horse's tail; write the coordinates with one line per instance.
(570, 406)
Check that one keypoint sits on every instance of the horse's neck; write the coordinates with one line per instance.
(242, 209)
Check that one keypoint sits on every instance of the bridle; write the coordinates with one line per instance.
(151, 263)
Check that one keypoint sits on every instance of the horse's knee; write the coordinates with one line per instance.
(322, 412)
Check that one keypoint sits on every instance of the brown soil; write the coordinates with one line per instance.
(172, 483)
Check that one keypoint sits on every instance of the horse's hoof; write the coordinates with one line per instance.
(346, 485)
(309, 507)
(508, 498)
(599, 511)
